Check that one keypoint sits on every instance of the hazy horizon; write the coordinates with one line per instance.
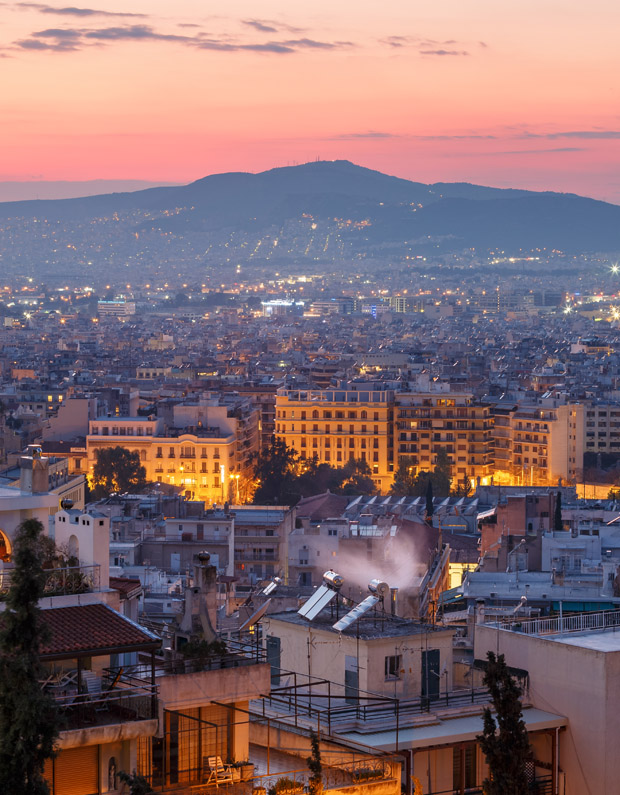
(27, 190)
(487, 94)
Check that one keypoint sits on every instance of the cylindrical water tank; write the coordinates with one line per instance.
(333, 579)
(379, 587)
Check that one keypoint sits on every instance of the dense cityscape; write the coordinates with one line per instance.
(309, 398)
(227, 468)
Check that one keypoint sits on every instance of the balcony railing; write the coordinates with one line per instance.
(60, 582)
(115, 697)
(580, 622)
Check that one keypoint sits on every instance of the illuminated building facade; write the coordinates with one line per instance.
(426, 422)
(538, 443)
(207, 450)
(337, 424)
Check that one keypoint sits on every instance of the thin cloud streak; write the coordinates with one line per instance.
(74, 39)
(73, 11)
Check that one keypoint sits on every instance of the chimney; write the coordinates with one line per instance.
(200, 613)
(479, 611)
(34, 476)
(393, 601)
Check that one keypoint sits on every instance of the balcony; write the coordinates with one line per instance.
(60, 582)
(114, 698)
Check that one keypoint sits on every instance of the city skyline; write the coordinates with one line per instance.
(132, 92)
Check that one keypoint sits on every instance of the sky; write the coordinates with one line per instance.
(517, 93)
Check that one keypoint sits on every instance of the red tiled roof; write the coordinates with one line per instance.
(128, 586)
(322, 506)
(85, 630)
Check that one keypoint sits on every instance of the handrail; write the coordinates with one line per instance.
(577, 622)
(60, 581)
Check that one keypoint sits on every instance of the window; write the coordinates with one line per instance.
(392, 666)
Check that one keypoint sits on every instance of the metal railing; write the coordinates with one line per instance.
(178, 664)
(60, 582)
(288, 782)
(118, 705)
(329, 707)
(578, 622)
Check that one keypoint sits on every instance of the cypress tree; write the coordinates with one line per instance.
(505, 744)
(557, 515)
(429, 499)
(315, 766)
(28, 716)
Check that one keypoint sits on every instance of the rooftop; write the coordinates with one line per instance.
(92, 630)
(371, 626)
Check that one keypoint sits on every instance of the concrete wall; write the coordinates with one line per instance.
(580, 683)
(323, 654)
(227, 685)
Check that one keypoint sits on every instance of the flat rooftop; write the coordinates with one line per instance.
(606, 640)
(372, 625)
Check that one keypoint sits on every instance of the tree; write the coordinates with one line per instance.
(274, 471)
(355, 478)
(463, 488)
(557, 515)
(404, 480)
(505, 745)
(442, 474)
(315, 782)
(28, 715)
(429, 499)
(117, 469)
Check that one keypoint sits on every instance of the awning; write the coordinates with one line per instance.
(447, 732)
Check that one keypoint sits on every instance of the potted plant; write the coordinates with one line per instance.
(246, 769)
(286, 786)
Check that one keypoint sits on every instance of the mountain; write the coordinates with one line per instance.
(321, 211)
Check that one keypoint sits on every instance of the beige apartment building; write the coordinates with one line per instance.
(425, 422)
(602, 428)
(382, 427)
(538, 443)
(337, 424)
(206, 449)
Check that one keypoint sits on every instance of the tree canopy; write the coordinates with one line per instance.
(117, 470)
(28, 715)
(285, 478)
(504, 740)
(406, 484)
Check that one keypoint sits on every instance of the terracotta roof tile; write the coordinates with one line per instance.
(84, 629)
(128, 586)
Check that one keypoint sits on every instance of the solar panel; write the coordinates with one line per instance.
(256, 616)
(270, 588)
(319, 599)
(357, 612)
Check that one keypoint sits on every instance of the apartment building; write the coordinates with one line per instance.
(335, 425)
(602, 428)
(426, 422)
(572, 663)
(537, 443)
(206, 448)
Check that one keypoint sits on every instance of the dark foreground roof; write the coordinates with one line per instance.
(92, 630)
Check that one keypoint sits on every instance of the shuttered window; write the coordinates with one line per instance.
(76, 771)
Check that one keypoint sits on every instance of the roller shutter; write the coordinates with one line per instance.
(76, 771)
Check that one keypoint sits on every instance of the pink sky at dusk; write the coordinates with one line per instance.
(523, 94)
